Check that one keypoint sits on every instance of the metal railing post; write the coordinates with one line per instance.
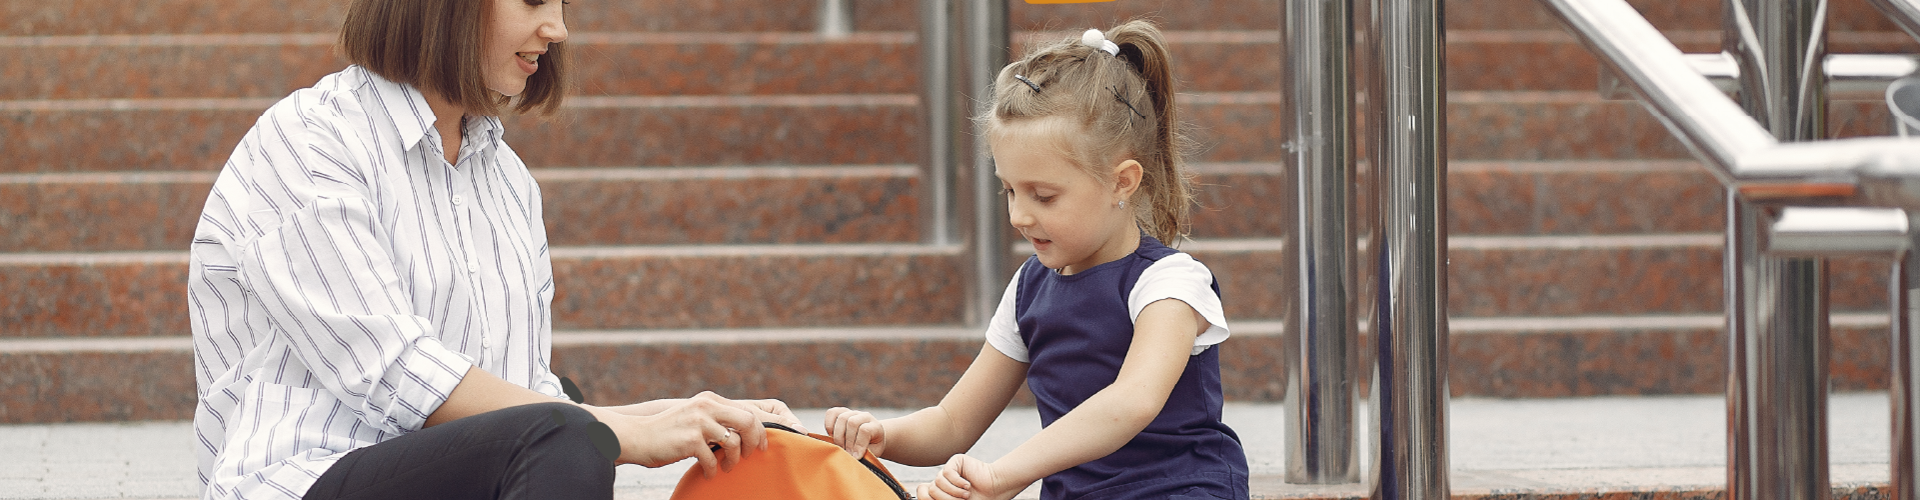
(1321, 345)
(1776, 307)
(1901, 392)
(1407, 124)
(963, 46)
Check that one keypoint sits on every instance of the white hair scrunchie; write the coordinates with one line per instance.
(1094, 38)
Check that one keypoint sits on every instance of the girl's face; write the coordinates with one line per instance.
(1071, 218)
(521, 31)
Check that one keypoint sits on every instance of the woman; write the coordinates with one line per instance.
(370, 285)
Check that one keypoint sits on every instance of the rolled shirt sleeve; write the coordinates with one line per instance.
(328, 286)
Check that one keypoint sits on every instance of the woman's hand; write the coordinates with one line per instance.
(773, 410)
(856, 431)
(766, 410)
(713, 430)
(968, 478)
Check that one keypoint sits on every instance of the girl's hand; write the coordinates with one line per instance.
(694, 427)
(856, 431)
(968, 478)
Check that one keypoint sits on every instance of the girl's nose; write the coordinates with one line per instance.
(1017, 216)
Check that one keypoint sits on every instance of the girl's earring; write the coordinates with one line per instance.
(1123, 204)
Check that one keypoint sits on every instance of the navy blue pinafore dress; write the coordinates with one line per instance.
(1077, 330)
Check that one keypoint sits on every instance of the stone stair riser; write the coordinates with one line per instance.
(883, 133)
(85, 17)
(1482, 61)
(78, 386)
(1671, 197)
(788, 291)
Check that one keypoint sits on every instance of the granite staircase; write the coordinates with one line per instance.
(735, 200)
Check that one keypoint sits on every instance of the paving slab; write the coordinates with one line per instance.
(1498, 447)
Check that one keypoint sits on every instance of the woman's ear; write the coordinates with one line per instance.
(1126, 178)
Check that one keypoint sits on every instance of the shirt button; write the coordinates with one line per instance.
(486, 343)
(472, 268)
(456, 199)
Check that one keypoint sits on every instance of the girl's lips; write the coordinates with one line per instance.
(527, 66)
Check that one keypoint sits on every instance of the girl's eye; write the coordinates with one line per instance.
(1042, 199)
(1006, 191)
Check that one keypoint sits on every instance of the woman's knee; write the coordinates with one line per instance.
(573, 430)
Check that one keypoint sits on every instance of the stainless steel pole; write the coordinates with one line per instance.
(986, 38)
(1776, 307)
(1407, 119)
(1321, 346)
(963, 45)
(938, 101)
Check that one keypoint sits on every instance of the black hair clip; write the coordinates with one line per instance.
(1022, 79)
(1123, 100)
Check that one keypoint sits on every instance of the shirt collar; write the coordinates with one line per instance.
(404, 105)
(411, 115)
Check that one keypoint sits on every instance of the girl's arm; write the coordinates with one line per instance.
(927, 437)
(1163, 337)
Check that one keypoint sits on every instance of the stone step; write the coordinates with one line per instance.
(609, 206)
(804, 286)
(95, 17)
(150, 378)
(681, 64)
(873, 204)
(624, 63)
(844, 129)
(1705, 15)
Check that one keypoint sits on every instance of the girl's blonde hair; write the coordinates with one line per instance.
(1123, 104)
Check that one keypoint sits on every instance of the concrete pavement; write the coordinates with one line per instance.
(1574, 444)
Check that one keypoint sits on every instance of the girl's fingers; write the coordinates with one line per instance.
(863, 438)
(949, 480)
(953, 469)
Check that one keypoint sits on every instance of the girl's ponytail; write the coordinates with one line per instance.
(1165, 182)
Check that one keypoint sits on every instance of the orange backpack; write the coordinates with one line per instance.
(795, 466)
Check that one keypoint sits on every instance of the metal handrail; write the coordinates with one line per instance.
(1849, 76)
(1861, 172)
(1777, 301)
(1905, 13)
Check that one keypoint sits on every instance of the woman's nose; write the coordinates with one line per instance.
(554, 30)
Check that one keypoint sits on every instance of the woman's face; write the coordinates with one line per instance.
(521, 31)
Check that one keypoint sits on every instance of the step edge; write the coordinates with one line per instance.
(1512, 325)
(1224, 245)
(790, 171)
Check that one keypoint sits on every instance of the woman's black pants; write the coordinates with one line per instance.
(540, 451)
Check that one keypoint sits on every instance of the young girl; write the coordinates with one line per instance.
(1110, 329)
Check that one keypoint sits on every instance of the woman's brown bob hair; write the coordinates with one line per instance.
(435, 45)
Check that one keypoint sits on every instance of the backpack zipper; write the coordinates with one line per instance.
(875, 469)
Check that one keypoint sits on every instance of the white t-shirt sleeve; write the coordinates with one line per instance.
(1003, 331)
(1180, 277)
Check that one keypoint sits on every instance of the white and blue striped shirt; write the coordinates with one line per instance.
(344, 277)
